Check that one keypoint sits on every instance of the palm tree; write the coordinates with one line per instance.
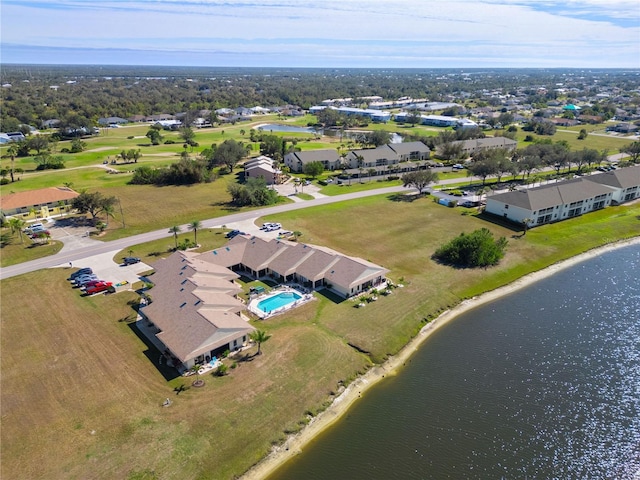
(297, 234)
(526, 222)
(259, 336)
(195, 225)
(16, 224)
(108, 212)
(371, 172)
(12, 152)
(198, 382)
(175, 230)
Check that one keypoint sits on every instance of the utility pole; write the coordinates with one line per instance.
(121, 214)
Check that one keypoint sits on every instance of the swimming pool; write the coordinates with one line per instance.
(277, 301)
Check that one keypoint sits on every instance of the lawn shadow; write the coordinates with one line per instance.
(329, 295)
(496, 220)
(406, 197)
(153, 354)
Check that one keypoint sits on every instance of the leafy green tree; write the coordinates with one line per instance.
(93, 203)
(260, 337)
(633, 150)
(378, 138)
(228, 153)
(154, 136)
(413, 117)
(313, 169)
(175, 230)
(419, 179)
(78, 145)
(273, 146)
(583, 134)
(39, 143)
(187, 135)
(483, 168)
(194, 226)
(475, 249)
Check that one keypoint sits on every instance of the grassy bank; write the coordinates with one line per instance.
(81, 389)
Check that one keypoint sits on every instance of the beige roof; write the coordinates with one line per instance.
(289, 260)
(32, 198)
(193, 319)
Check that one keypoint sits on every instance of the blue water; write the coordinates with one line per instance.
(274, 127)
(541, 384)
(277, 301)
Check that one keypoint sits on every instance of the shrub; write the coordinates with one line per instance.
(476, 249)
(130, 137)
(4, 181)
(169, 142)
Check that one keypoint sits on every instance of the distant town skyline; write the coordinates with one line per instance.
(347, 33)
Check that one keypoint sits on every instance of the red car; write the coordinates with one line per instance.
(91, 284)
(97, 288)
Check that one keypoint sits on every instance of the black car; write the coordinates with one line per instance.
(233, 233)
(130, 260)
(78, 273)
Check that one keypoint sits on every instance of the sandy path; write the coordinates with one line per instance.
(295, 443)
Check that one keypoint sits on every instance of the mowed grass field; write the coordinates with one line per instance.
(82, 392)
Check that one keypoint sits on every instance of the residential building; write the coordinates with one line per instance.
(410, 151)
(297, 160)
(559, 201)
(195, 311)
(311, 266)
(550, 203)
(264, 167)
(112, 121)
(479, 144)
(372, 157)
(40, 203)
(625, 183)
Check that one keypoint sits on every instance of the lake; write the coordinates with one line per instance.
(543, 383)
(277, 127)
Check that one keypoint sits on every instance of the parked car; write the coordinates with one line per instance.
(36, 227)
(90, 284)
(458, 166)
(232, 233)
(82, 271)
(36, 233)
(80, 281)
(100, 287)
(130, 260)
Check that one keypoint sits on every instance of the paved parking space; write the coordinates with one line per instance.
(106, 269)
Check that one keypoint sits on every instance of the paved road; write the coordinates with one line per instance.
(80, 252)
(65, 256)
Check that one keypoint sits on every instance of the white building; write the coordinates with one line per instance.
(563, 200)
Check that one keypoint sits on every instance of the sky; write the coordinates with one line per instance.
(324, 33)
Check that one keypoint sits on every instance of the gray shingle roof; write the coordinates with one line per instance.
(621, 178)
(551, 195)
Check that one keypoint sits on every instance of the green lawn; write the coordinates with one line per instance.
(24, 250)
(83, 395)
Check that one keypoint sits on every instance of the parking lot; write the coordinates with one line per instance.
(108, 270)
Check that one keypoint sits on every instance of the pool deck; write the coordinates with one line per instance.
(253, 304)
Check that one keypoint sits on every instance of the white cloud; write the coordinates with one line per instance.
(521, 30)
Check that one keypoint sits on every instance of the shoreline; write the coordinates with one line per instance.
(341, 404)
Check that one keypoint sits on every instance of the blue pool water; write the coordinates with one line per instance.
(277, 301)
